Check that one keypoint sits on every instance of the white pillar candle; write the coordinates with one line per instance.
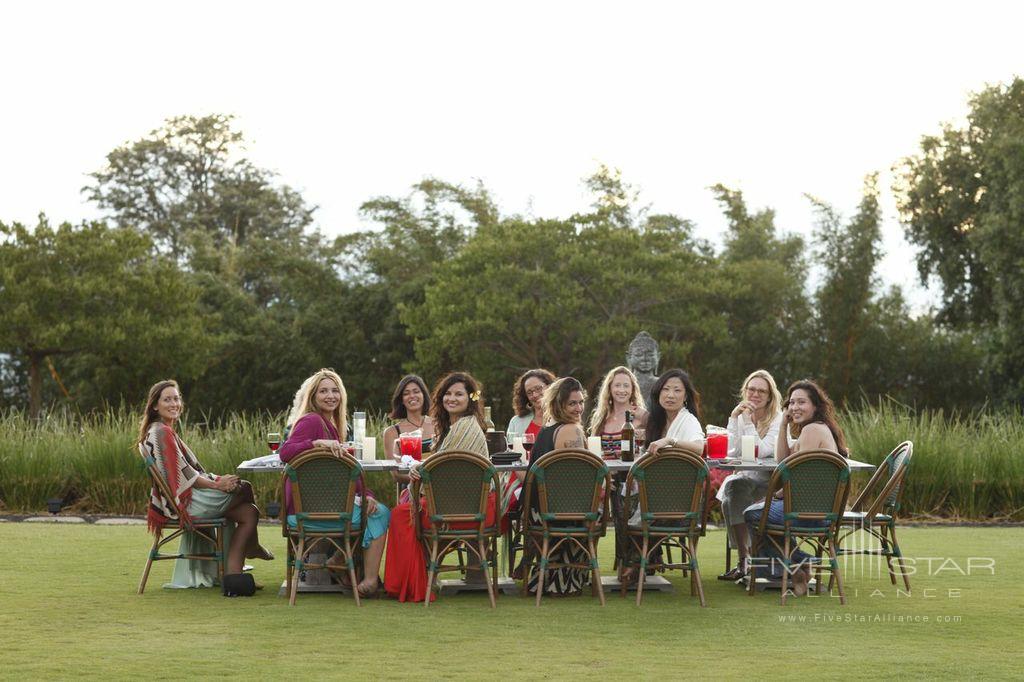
(369, 449)
(747, 448)
(594, 444)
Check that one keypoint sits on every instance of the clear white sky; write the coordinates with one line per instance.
(347, 101)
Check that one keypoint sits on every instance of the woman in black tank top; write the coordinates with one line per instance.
(564, 401)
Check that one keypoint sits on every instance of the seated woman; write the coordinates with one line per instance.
(675, 413)
(810, 419)
(527, 401)
(200, 495)
(758, 414)
(564, 402)
(619, 393)
(410, 407)
(317, 420)
(458, 414)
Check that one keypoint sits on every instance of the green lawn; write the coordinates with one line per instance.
(68, 608)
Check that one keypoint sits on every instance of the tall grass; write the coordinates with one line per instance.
(965, 465)
(92, 463)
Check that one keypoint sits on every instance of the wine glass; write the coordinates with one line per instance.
(273, 441)
(640, 435)
(528, 440)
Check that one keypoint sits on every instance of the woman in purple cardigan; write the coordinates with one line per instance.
(317, 421)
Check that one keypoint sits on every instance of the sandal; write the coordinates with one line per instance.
(734, 574)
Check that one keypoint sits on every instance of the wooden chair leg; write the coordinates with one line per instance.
(299, 556)
(149, 561)
(542, 568)
(835, 569)
(785, 569)
(820, 549)
(431, 571)
(696, 571)
(350, 560)
(641, 574)
(487, 577)
(289, 570)
(222, 552)
(595, 570)
(755, 547)
(899, 557)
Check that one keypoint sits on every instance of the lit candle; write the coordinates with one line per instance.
(369, 449)
(594, 444)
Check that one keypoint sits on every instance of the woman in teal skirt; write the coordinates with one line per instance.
(198, 494)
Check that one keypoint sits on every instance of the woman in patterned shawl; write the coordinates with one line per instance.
(197, 494)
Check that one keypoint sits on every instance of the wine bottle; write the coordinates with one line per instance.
(488, 422)
(628, 449)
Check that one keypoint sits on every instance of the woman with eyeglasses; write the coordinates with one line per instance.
(527, 401)
(758, 414)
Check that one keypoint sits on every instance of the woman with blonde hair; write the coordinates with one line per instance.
(318, 419)
(197, 493)
(758, 414)
(619, 393)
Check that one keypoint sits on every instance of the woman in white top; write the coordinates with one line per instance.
(758, 414)
(675, 413)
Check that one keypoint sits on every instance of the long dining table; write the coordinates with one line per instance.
(270, 464)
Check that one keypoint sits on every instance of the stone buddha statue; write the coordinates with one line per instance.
(642, 357)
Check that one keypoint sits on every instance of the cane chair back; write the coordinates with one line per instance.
(875, 510)
(672, 486)
(568, 491)
(323, 487)
(458, 488)
(815, 486)
(211, 530)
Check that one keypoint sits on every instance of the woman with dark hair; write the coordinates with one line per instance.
(410, 408)
(675, 413)
(810, 421)
(458, 414)
(199, 494)
(527, 401)
(564, 403)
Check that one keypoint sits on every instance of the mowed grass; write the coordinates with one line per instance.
(68, 608)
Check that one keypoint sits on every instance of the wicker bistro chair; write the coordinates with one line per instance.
(877, 516)
(815, 485)
(323, 495)
(456, 486)
(209, 529)
(672, 487)
(570, 487)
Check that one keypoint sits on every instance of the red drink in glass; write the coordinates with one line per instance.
(411, 445)
(718, 445)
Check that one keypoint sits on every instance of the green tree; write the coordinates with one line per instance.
(766, 307)
(564, 294)
(95, 295)
(190, 175)
(387, 271)
(848, 255)
(962, 202)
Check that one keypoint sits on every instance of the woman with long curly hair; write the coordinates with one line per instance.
(527, 399)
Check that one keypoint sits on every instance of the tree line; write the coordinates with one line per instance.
(209, 270)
